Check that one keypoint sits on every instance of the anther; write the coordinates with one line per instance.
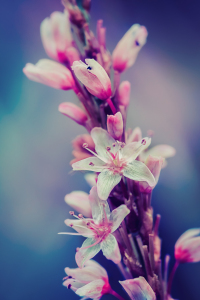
(114, 144)
(108, 148)
(69, 286)
(85, 145)
(71, 213)
(143, 142)
(137, 43)
(88, 223)
(91, 164)
(89, 68)
(70, 225)
(77, 249)
(80, 216)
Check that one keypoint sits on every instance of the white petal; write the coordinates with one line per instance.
(90, 272)
(89, 164)
(118, 215)
(110, 249)
(98, 206)
(160, 150)
(92, 289)
(138, 171)
(80, 226)
(103, 140)
(107, 180)
(83, 255)
(131, 151)
(79, 201)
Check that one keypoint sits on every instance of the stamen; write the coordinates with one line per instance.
(91, 164)
(89, 68)
(69, 286)
(80, 216)
(108, 148)
(71, 213)
(143, 142)
(85, 145)
(97, 242)
(95, 154)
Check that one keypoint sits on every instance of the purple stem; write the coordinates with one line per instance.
(112, 107)
(171, 277)
(116, 295)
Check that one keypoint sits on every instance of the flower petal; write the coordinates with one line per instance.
(89, 164)
(107, 180)
(84, 254)
(90, 272)
(80, 226)
(92, 289)
(160, 150)
(79, 201)
(103, 140)
(138, 288)
(98, 206)
(131, 151)
(118, 215)
(137, 170)
(110, 249)
(135, 136)
(91, 179)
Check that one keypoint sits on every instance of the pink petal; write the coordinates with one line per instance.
(124, 93)
(79, 201)
(73, 112)
(50, 73)
(138, 288)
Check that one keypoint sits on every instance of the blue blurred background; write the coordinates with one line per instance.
(36, 140)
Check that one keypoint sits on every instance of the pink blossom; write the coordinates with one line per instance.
(88, 282)
(127, 49)
(73, 112)
(115, 125)
(187, 247)
(114, 160)
(124, 93)
(50, 73)
(98, 230)
(94, 77)
(138, 288)
(57, 38)
(79, 201)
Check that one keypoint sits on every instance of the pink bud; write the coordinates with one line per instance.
(187, 248)
(56, 35)
(79, 201)
(50, 73)
(155, 165)
(73, 112)
(124, 93)
(138, 288)
(94, 77)
(115, 125)
(126, 51)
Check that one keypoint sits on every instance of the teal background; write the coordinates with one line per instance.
(35, 140)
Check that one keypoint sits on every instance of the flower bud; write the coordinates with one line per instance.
(115, 125)
(73, 112)
(138, 288)
(126, 51)
(124, 93)
(79, 201)
(155, 165)
(187, 248)
(56, 35)
(50, 73)
(94, 77)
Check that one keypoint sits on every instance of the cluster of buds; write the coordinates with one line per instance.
(116, 217)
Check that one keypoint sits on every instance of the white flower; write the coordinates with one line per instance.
(114, 160)
(89, 282)
(98, 230)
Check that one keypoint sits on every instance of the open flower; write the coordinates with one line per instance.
(89, 282)
(138, 288)
(187, 247)
(114, 160)
(127, 49)
(94, 77)
(50, 73)
(98, 230)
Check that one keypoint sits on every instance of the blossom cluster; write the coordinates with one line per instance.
(116, 216)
